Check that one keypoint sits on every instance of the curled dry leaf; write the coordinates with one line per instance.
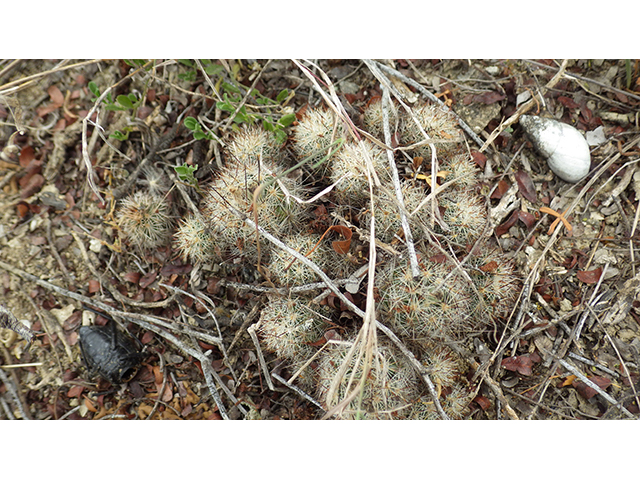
(500, 190)
(342, 246)
(483, 402)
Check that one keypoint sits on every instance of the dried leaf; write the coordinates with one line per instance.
(527, 218)
(479, 158)
(27, 155)
(489, 267)
(57, 98)
(483, 402)
(567, 102)
(526, 186)
(488, 97)
(342, 246)
(586, 391)
(502, 188)
(590, 277)
(133, 277)
(521, 364)
(568, 381)
(504, 227)
(148, 279)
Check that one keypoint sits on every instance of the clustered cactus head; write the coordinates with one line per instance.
(254, 144)
(432, 305)
(373, 118)
(251, 189)
(195, 240)
(465, 216)
(455, 403)
(496, 282)
(316, 132)
(286, 270)
(389, 390)
(289, 328)
(387, 211)
(348, 168)
(145, 220)
(438, 124)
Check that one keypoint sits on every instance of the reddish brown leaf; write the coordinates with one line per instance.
(527, 218)
(488, 97)
(169, 270)
(27, 154)
(342, 246)
(590, 277)
(133, 277)
(479, 158)
(502, 188)
(148, 279)
(567, 102)
(504, 228)
(483, 402)
(588, 392)
(32, 186)
(490, 267)
(526, 186)
(521, 364)
(75, 391)
(57, 98)
(94, 286)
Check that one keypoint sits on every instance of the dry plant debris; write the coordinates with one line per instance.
(271, 233)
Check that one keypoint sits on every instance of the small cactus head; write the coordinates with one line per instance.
(194, 239)
(315, 133)
(288, 328)
(373, 118)
(254, 144)
(389, 388)
(349, 168)
(432, 305)
(145, 220)
(439, 125)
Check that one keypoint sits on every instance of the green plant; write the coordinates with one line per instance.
(185, 174)
(121, 103)
(195, 127)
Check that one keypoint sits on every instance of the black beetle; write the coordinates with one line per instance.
(109, 353)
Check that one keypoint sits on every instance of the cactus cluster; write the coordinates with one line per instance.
(447, 299)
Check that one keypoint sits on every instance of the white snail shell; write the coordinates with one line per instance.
(564, 147)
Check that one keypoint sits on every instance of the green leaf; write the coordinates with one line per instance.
(94, 88)
(287, 120)
(124, 101)
(186, 62)
(268, 126)
(199, 135)
(227, 87)
(281, 136)
(185, 172)
(282, 95)
(214, 69)
(118, 135)
(225, 107)
(191, 123)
